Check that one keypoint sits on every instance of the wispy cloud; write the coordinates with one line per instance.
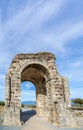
(28, 91)
(54, 39)
(29, 19)
(28, 95)
(32, 19)
(28, 85)
(72, 69)
(71, 32)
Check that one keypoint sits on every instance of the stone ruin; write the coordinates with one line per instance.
(52, 92)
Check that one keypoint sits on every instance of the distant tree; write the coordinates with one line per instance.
(2, 103)
(22, 105)
(78, 101)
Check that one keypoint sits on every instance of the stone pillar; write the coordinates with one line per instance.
(41, 98)
(8, 91)
(49, 99)
(13, 109)
(66, 92)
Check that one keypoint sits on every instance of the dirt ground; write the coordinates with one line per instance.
(32, 122)
(40, 123)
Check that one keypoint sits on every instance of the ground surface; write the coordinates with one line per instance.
(32, 122)
(10, 128)
(37, 123)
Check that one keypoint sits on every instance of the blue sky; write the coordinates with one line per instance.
(28, 26)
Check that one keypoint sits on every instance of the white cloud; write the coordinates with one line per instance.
(60, 37)
(78, 63)
(73, 31)
(28, 91)
(53, 40)
(29, 95)
(30, 19)
(75, 72)
(28, 85)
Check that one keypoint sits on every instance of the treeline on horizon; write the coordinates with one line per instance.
(76, 101)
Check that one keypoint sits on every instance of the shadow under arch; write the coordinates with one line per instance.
(41, 68)
(26, 115)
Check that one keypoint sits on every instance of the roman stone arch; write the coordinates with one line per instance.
(38, 75)
(52, 93)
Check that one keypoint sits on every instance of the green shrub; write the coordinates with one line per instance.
(78, 101)
(22, 105)
(2, 103)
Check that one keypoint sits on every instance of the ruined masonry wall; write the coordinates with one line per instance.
(52, 90)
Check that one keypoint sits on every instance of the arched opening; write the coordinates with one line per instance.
(37, 74)
(28, 100)
(28, 92)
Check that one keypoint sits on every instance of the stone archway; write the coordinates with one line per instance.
(51, 88)
(38, 75)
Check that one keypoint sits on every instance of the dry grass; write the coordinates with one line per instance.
(1, 109)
